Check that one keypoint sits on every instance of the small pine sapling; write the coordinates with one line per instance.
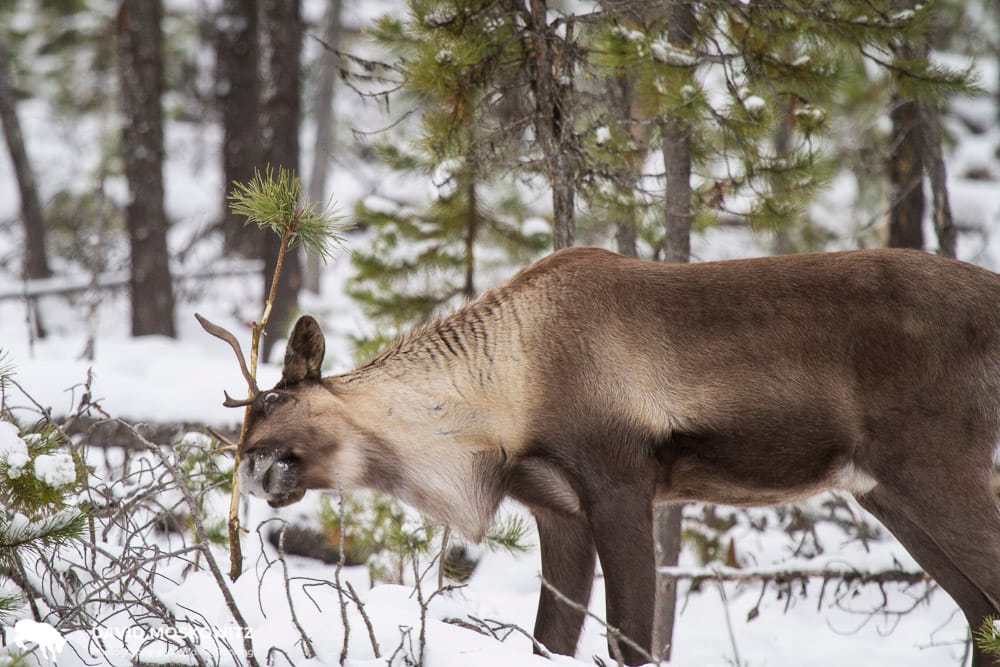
(271, 201)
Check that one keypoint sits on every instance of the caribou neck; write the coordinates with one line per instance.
(449, 400)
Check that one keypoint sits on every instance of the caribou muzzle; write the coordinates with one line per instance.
(273, 474)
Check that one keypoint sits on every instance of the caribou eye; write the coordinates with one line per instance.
(271, 399)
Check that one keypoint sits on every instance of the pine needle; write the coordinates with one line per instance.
(273, 201)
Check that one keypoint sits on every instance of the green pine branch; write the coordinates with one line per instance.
(510, 534)
(274, 201)
(987, 637)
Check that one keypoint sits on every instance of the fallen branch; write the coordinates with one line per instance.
(783, 575)
(113, 280)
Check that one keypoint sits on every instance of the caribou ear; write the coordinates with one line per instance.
(304, 354)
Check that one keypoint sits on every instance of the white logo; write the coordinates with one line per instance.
(47, 638)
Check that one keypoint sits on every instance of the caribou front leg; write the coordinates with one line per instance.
(567, 565)
(621, 519)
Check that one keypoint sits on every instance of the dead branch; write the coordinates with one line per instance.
(203, 541)
(781, 576)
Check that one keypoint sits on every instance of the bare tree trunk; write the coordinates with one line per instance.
(906, 155)
(677, 197)
(626, 236)
(937, 175)
(323, 111)
(620, 89)
(142, 142)
(677, 151)
(282, 30)
(36, 262)
(238, 92)
(676, 248)
(551, 70)
(667, 538)
(906, 173)
(471, 233)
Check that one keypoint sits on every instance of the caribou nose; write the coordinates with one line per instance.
(269, 473)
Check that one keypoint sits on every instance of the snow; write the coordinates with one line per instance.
(55, 469)
(535, 225)
(10, 440)
(754, 103)
(13, 450)
(665, 52)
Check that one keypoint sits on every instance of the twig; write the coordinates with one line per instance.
(491, 627)
(307, 648)
(729, 624)
(273, 650)
(422, 637)
(339, 567)
(445, 534)
(364, 615)
(405, 633)
(203, 541)
(235, 549)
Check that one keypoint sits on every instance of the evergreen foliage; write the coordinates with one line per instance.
(987, 637)
(273, 201)
(758, 88)
(39, 478)
(384, 533)
(450, 58)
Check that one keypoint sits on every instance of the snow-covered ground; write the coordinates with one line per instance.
(161, 380)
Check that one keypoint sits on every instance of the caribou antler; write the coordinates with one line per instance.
(227, 336)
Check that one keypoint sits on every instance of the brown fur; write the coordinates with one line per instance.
(591, 386)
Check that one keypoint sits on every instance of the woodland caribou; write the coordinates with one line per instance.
(591, 387)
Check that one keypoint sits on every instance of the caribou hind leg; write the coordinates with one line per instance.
(948, 519)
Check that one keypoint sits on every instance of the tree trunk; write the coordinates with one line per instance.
(142, 142)
(551, 66)
(471, 233)
(328, 63)
(238, 92)
(282, 31)
(677, 150)
(621, 99)
(667, 538)
(677, 197)
(676, 248)
(906, 173)
(937, 175)
(626, 236)
(906, 154)
(36, 262)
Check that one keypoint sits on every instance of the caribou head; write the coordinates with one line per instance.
(297, 432)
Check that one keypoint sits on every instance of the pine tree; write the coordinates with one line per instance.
(758, 85)
(423, 258)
